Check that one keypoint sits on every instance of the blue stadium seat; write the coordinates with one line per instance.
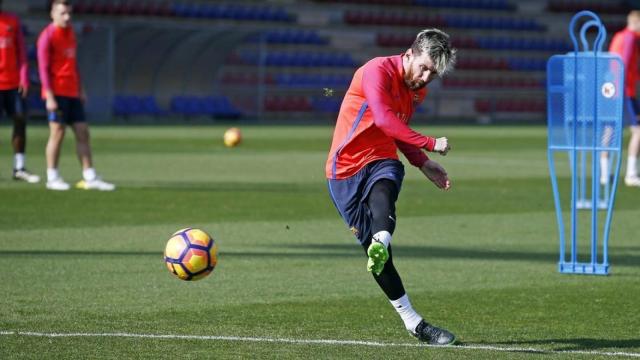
(224, 108)
(303, 59)
(215, 106)
(527, 64)
(150, 106)
(193, 106)
(177, 105)
(325, 105)
(178, 10)
(283, 80)
(289, 36)
(236, 12)
(120, 107)
(209, 11)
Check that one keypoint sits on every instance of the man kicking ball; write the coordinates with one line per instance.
(363, 170)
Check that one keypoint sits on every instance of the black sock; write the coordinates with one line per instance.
(381, 204)
(389, 280)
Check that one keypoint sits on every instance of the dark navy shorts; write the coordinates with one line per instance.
(70, 111)
(11, 103)
(631, 110)
(350, 195)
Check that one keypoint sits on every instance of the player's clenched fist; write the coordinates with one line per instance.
(442, 146)
(51, 104)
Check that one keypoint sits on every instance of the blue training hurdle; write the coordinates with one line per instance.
(585, 92)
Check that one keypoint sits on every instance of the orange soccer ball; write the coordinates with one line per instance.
(191, 254)
(232, 137)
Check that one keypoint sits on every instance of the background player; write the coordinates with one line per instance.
(625, 44)
(363, 169)
(57, 49)
(14, 85)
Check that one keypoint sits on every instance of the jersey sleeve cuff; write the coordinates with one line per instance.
(430, 144)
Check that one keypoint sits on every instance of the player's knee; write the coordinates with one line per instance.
(19, 121)
(82, 133)
(19, 127)
(383, 191)
(82, 138)
(56, 134)
(383, 212)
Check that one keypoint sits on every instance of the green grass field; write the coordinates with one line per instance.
(479, 260)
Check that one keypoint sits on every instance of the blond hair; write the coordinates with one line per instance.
(435, 43)
(59, 2)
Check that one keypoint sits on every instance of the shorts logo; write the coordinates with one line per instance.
(354, 231)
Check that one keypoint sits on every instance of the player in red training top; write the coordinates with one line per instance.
(625, 44)
(363, 170)
(57, 49)
(14, 85)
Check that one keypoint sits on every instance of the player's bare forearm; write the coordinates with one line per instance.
(437, 174)
(50, 100)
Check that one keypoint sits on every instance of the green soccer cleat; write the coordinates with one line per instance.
(378, 256)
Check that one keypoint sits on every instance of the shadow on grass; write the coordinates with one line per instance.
(616, 255)
(316, 251)
(585, 344)
(226, 187)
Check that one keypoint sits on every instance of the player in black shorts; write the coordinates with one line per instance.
(14, 85)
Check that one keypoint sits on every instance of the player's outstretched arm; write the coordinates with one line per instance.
(437, 174)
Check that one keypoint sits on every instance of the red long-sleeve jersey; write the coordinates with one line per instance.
(625, 44)
(13, 55)
(57, 63)
(373, 120)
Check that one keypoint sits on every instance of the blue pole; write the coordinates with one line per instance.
(574, 165)
(594, 167)
(556, 198)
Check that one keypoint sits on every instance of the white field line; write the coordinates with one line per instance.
(320, 342)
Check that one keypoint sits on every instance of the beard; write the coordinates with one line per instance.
(415, 84)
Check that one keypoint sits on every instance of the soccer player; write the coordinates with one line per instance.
(14, 85)
(363, 170)
(61, 89)
(625, 44)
